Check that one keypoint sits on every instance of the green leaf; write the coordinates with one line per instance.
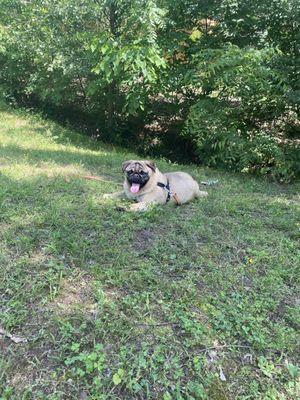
(294, 370)
(195, 35)
(117, 377)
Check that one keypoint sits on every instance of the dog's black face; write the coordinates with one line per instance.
(140, 178)
(138, 174)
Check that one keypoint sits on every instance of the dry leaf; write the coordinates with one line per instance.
(222, 376)
(14, 338)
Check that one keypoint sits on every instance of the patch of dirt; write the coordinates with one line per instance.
(113, 293)
(20, 123)
(31, 376)
(74, 293)
(32, 362)
(143, 240)
(281, 311)
(23, 379)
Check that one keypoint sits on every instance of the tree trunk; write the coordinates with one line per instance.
(112, 88)
(111, 108)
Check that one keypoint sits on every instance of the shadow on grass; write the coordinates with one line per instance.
(107, 164)
(63, 132)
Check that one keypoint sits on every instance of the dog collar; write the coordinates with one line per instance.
(167, 187)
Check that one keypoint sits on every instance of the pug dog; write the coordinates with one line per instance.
(145, 184)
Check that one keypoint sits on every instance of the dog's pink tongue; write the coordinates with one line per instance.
(135, 187)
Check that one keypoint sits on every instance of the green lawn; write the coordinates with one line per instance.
(193, 302)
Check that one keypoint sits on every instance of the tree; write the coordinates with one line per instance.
(171, 63)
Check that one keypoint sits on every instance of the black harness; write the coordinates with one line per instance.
(166, 187)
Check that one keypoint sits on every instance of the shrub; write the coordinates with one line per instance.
(233, 122)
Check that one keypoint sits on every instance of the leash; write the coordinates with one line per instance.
(167, 187)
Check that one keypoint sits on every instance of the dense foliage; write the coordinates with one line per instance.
(211, 81)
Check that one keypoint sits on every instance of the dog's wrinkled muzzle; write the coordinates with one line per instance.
(137, 181)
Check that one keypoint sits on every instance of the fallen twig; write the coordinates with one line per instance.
(89, 177)
(226, 346)
(158, 324)
(94, 178)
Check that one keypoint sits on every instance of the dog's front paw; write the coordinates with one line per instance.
(116, 195)
(121, 208)
(138, 207)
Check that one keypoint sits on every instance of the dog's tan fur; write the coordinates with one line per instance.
(182, 185)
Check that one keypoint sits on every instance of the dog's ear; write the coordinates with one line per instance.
(125, 165)
(151, 164)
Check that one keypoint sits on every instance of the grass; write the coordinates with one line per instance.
(193, 302)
